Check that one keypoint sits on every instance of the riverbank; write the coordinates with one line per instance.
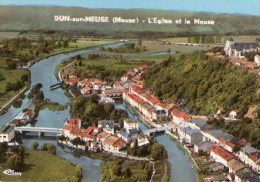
(43, 166)
(180, 145)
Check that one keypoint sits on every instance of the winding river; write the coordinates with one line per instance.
(43, 72)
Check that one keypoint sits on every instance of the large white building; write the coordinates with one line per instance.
(233, 49)
(7, 133)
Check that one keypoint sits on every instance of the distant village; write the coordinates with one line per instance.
(235, 156)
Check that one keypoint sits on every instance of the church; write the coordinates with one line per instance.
(233, 49)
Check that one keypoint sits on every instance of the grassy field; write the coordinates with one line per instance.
(41, 18)
(162, 171)
(14, 75)
(41, 166)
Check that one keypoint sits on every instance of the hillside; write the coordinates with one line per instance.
(203, 84)
(42, 18)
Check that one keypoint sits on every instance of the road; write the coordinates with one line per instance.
(10, 101)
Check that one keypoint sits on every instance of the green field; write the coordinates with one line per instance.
(14, 75)
(42, 19)
(41, 166)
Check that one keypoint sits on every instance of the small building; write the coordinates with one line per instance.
(7, 133)
(190, 135)
(247, 177)
(113, 144)
(202, 146)
(107, 126)
(233, 114)
(130, 124)
(220, 155)
(118, 85)
(250, 156)
(257, 60)
(214, 136)
(125, 78)
(234, 166)
(86, 91)
(113, 93)
(198, 123)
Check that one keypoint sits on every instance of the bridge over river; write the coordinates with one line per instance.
(40, 131)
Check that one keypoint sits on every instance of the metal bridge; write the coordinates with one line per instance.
(154, 131)
(55, 86)
(39, 130)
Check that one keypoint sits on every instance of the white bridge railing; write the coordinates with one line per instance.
(39, 129)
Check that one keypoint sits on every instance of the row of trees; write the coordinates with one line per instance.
(44, 147)
(13, 158)
(205, 39)
(116, 169)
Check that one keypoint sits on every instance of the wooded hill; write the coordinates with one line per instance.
(28, 18)
(203, 84)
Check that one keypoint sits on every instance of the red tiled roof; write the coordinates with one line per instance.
(242, 142)
(151, 110)
(135, 98)
(230, 144)
(151, 99)
(222, 153)
(137, 89)
(77, 132)
(118, 83)
(143, 67)
(183, 115)
(74, 121)
(68, 127)
(118, 143)
(253, 157)
(174, 111)
(221, 139)
(71, 81)
(84, 82)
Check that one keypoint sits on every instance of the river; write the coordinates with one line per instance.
(43, 72)
(250, 7)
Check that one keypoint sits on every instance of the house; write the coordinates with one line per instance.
(198, 124)
(238, 50)
(233, 114)
(142, 141)
(202, 146)
(250, 156)
(125, 78)
(102, 136)
(86, 91)
(257, 60)
(71, 81)
(179, 117)
(247, 177)
(143, 67)
(214, 136)
(124, 135)
(118, 84)
(7, 133)
(113, 144)
(190, 135)
(91, 133)
(220, 155)
(113, 93)
(235, 165)
(130, 124)
(107, 126)
(83, 83)
(71, 124)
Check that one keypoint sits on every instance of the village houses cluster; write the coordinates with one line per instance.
(103, 137)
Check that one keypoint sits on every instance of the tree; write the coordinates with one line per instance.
(14, 162)
(44, 146)
(35, 145)
(157, 151)
(51, 149)
(3, 149)
(79, 170)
